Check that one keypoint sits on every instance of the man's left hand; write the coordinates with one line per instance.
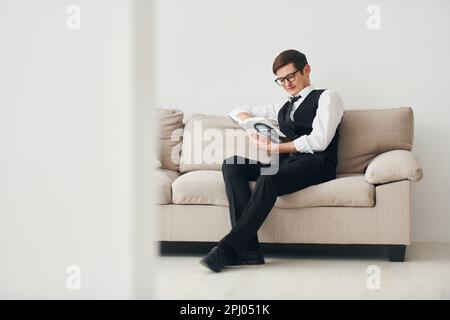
(264, 143)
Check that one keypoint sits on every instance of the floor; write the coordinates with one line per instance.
(311, 274)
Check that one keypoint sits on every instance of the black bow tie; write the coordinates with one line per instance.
(293, 99)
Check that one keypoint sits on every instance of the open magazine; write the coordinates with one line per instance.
(265, 127)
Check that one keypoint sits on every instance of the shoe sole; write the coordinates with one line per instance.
(252, 262)
(247, 263)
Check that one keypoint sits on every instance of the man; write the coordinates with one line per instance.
(310, 120)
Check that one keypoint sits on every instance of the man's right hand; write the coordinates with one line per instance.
(244, 116)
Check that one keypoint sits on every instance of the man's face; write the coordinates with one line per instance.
(299, 82)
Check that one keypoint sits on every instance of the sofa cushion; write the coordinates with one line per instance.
(170, 137)
(164, 179)
(394, 166)
(208, 140)
(364, 134)
(207, 187)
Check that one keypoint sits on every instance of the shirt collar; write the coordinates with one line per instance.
(304, 92)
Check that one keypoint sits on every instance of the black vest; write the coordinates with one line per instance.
(302, 124)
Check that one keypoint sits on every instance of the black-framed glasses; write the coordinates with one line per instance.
(290, 77)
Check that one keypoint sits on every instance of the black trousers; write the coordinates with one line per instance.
(248, 211)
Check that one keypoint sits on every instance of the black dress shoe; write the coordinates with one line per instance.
(216, 259)
(248, 257)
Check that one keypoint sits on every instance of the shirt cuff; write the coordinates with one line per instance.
(302, 145)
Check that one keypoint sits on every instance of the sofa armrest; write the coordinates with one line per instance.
(393, 166)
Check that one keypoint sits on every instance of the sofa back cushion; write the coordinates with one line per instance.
(364, 134)
(170, 137)
(207, 139)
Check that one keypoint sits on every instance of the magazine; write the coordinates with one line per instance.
(265, 127)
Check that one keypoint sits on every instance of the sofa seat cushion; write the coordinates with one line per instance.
(207, 187)
(164, 179)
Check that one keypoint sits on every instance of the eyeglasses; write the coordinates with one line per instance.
(290, 77)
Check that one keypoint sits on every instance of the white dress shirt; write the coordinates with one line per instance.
(328, 116)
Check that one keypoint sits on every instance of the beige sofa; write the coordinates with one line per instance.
(368, 203)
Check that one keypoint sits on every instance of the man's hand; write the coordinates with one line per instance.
(244, 116)
(264, 143)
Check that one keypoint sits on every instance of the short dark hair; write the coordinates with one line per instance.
(290, 56)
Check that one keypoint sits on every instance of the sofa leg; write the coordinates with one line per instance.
(397, 252)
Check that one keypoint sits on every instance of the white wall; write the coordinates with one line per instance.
(69, 150)
(214, 55)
